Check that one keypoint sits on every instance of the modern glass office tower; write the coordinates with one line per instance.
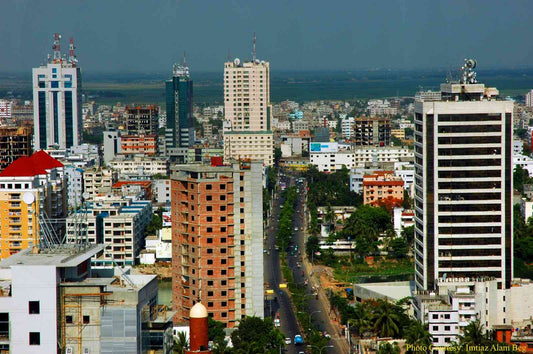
(179, 100)
(463, 184)
(57, 101)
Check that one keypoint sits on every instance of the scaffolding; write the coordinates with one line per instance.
(75, 302)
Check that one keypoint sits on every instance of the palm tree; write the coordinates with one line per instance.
(474, 334)
(418, 334)
(181, 343)
(386, 319)
(387, 348)
(360, 319)
(330, 218)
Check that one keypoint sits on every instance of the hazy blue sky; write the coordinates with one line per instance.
(149, 35)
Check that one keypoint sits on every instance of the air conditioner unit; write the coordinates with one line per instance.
(69, 350)
(85, 350)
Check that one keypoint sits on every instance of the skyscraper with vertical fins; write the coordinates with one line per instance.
(57, 100)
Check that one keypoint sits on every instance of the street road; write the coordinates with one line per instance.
(279, 303)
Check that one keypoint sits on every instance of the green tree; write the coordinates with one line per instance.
(474, 334)
(312, 246)
(408, 233)
(277, 156)
(418, 334)
(330, 219)
(387, 319)
(388, 348)
(155, 225)
(181, 343)
(216, 330)
(399, 247)
(256, 335)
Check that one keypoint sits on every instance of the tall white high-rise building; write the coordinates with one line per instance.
(57, 100)
(529, 99)
(463, 185)
(247, 108)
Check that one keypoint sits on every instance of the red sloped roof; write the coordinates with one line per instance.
(44, 161)
(22, 167)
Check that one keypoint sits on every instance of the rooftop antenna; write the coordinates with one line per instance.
(253, 53)
(229, 56)
(56, 47)
(71, 55)
(184, 60)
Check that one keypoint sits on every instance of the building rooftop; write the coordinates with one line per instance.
(66, 256)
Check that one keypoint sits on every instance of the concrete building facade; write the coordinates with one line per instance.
(247, 109)
(31, 189)
(217, 240)
(54, 302)
(15, 142)
(57, 102)
(463, 186)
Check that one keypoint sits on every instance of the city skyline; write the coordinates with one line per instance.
(348, 36)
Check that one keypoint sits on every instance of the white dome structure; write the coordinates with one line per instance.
(198, 311)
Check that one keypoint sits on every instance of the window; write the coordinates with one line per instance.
(223, 282)
(34, 308)
(209, 261)
(435, 316)
(209, 229)
(223, 261)
(209, 304)
(35, 338)
(222, 197)
(86, 319)
(447, 316)
(208, 187)
(210, 250)
(224, 304)
(223, 250)
(68, 319)
(435, 328)
(223, 272)
(222, 219)
(222, 208)
(209, 283)
(209, 208)
(224, 314)
(209, 293)
(210, 272)
(447, 340)
(222, 186)
(446, 328)
(209, 219)
(223, 239)
(223, 293)
(209, 197)
(209, 240)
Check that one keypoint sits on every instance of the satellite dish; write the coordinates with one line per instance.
(257, 61)
(85, 195)
(28, 198)
(237, 61)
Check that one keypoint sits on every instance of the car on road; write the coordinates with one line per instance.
(295, 229)
(276, 322)
(298, 339)
(288, 341)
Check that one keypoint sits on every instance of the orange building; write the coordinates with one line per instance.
(30, 187)
(382, 187)
(139, 144)
(217, 240)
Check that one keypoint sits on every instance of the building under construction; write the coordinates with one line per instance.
(52, 301)
(15, 142)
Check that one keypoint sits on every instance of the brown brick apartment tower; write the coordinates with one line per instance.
(217, 240)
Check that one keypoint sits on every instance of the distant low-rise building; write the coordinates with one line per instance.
(139, 144)
(382, 186)
(117, 222)
(140, 166)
